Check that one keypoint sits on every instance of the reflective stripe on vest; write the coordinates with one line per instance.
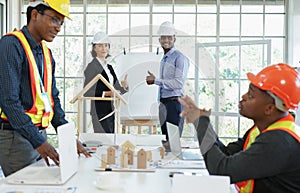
(248, 185)
(36, 113)
(286, 124)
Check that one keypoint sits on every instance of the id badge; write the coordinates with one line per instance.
(46, 101)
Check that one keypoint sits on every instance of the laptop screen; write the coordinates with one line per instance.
(68, 157)
(38, 173)
(174, 140)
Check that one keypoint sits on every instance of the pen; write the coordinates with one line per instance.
(108, 169)
(123, 170)
(71, 189)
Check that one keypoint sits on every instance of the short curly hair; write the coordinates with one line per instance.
(40, 8)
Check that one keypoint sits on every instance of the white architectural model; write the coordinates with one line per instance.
(126, 156)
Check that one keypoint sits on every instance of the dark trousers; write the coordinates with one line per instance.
(16, 152)
(105, 126)
(169, 112)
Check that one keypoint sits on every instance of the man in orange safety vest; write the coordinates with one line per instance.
(266, 159)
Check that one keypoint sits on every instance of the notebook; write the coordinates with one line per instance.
(175, 145)
(40, 174)
(190, 183)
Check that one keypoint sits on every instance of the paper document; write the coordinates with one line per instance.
(38, 189)
(208, 184)
(179, 164)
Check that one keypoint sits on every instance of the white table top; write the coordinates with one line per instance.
(130, 182)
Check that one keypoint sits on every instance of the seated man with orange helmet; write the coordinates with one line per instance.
(266, 159)
(29, 99)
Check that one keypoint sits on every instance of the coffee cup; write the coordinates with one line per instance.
(107, 180)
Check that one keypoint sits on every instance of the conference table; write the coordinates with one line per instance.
(157, 180)
(129, 182)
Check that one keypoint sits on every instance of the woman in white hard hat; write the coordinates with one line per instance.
(102, 111)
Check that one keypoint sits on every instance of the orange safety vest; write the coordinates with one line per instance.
(37, 114)
(286, 124)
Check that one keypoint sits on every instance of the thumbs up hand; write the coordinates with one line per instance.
(124, 82)
(150, 78)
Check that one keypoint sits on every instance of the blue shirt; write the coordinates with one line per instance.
(15, 87)
(173, 72)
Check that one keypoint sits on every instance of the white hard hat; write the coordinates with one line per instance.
(166, 29)
(101, 38)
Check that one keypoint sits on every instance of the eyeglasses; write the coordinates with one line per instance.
(56, 22)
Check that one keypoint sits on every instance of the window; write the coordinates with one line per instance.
(222, 68)
(2, 18)
(133, 24)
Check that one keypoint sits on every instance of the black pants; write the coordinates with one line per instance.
(105, 126)
(169, 111)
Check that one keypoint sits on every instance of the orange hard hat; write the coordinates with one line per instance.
(280, 80)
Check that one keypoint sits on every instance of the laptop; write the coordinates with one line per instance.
(208, 183)
(175, 145)
(40, 174)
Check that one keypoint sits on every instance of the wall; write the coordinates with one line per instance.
(13, 14)
(293, 48)
(294, 33)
